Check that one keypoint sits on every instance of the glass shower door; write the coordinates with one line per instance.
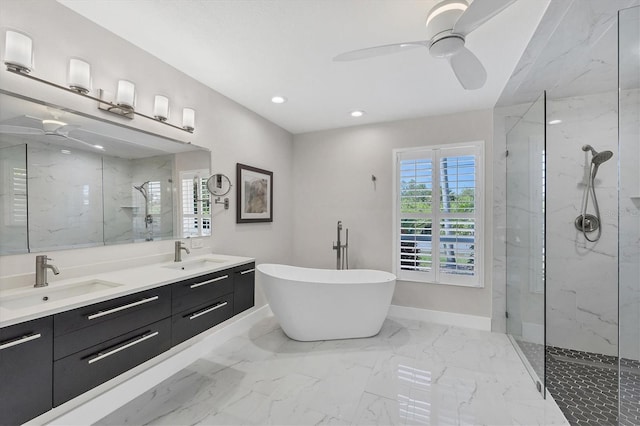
(629, 216)
(525, 262)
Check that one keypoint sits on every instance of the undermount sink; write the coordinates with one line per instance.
(44, 295)
(196, 264)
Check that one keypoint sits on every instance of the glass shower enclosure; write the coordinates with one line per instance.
(629, 216)
(573, 304)
(525, 242)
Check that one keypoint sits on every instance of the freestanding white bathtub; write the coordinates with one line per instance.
(323, 304)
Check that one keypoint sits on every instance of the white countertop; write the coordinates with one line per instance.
(127, 281)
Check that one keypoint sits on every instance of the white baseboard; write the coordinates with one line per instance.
(97, 403)
(440, 317)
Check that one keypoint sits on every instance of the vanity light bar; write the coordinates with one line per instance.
(18, 59)
(104, 104)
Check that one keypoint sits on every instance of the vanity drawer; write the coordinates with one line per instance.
(196, 291)
(91, 367)
(25, 370)
(111, 318)
(200, 318)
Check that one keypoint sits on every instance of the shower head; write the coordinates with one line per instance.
(597, 158)
(601, 157)
(142, 189)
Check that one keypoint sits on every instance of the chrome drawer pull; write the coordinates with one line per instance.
(122, 308)
(209, 282)
(123, 347)
(247, 271)
(206, 311)
(20, 341)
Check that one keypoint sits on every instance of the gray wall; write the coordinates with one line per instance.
(233, 133)
(333, 171)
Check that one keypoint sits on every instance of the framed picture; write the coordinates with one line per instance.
(255, 194)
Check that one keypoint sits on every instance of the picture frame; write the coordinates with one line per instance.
(254, 200)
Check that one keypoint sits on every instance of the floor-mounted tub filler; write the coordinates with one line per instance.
(323, 304)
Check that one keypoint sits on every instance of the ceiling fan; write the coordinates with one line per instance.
(448, 23)
(27, 125)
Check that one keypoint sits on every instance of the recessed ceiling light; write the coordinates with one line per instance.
(357, 113)
(98, 147)
(552, 122)
(278, 99)
(65, 151)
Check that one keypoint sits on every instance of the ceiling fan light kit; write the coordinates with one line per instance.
(443, 16)
(448, 24)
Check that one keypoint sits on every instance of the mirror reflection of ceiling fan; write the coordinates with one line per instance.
(28, 125)
(448, 24)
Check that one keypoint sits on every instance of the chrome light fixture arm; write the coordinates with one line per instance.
(103, 104)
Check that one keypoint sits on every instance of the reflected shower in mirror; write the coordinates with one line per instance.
(68, 180)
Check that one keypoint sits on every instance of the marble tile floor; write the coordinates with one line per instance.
(411, 373)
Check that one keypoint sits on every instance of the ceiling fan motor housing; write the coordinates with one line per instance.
(442, 18)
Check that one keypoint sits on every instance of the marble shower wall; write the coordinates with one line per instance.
(582, 277)
(65, 198)
(118, 200)
(630, 224)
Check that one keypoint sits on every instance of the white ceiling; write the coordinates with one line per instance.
(254, 49)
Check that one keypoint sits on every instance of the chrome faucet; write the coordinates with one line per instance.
(41, 270)
(178, 252)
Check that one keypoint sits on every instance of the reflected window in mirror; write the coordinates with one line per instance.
(196, 203)
(13, 199)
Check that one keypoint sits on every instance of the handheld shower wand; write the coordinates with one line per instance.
(148, 219)
(588, 222)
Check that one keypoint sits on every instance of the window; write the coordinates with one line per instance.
(438, 214)
(17, 214)
(196, 208)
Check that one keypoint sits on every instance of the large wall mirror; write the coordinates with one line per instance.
(69, 180)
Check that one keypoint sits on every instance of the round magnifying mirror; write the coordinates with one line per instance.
(219, 184)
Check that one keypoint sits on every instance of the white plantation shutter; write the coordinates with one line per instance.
(195, 202)
(439, 214)
(18, 214)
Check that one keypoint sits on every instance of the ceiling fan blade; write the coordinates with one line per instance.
(68, 127)
(479, 12)
(64, 130)
(386, 49)
(82, 142)
(468, 69)
(19, 130)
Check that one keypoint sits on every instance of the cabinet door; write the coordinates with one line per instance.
(91, 367)
(244, 287)
(25, 370)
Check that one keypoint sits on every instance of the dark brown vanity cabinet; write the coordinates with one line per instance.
(95, 343)
(25, 370)
(244, 278)
(201, 303)
(48, 361)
